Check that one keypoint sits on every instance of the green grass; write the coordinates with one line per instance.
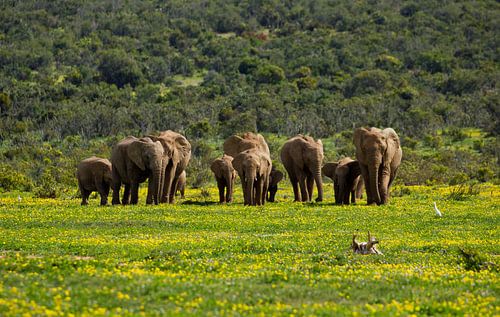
(201, 258)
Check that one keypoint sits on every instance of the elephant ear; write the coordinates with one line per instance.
(354, 169)
(232, 145)
(329, 169)
(392, 137)
(167, 146)
(135, 152)
(238, 162)
(263, 144)
(358, 136)
(217, 167)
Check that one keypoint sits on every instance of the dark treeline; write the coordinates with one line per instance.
(78, 75)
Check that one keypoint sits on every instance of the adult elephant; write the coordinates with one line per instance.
(379, 155)
(347, 181)
(236, 144)
(94, 174)
(253, 167)
(224, 175)
(135, 160)
(274, 178)
(178, 152)
(302, 157)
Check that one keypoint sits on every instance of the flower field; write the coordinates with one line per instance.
(197, 257)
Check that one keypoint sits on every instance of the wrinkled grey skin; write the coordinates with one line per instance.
(347, 181)
(275, 177)
(253, 167)
(225, 176)
(302, 158)
(379, 155)
(94, 174)
(135, 160)
(177, 151)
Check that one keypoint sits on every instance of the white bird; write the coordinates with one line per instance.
(19, 198)
(438, 213)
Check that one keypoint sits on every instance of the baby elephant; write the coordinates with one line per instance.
(347, 181)
(225, 175)
(181, 184)
(94, 174)
(275, 177)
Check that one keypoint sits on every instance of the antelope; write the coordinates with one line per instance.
(365, 247)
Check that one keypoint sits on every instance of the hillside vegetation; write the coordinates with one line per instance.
(76, 76)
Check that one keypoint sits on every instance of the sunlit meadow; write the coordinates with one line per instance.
(198, 257)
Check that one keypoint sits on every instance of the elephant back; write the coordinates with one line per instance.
(236, 144)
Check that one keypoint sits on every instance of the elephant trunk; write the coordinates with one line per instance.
(162, 179)
(318, 180)
(249, 189)
(373, 170)
(157, 180)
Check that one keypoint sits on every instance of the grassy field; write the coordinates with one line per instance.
(201, 258)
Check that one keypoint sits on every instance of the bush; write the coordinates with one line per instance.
(117, 67)
(367, 82)
(269, 74)
(388, 62)
(464, 192)
(13, 180)
(472, 260)
(47, 186)
(434, 62)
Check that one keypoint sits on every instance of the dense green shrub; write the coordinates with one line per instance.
(368, 82)
(11, 179)
(117, 67)
(269, 74)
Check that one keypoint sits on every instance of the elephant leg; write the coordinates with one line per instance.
(229, 192)
(116, 192)
(293, 181)
(353, 196)
(272, 193)
(303, 186)
(85, 196)
(295, 186)
(151, 186)
(259, 191)
(126, 195)
(221, 185)
(83, 193)
(345, 199)
(310, 185)
(105, 194)
(385, 176)
(134, 193)
(103, 190)
(182, 192)
(173, 189)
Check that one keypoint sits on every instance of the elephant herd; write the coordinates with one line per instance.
(162, 160)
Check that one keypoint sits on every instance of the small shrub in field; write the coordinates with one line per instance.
(13, 180)
(47, 187)
(472, 260)
(401, 191)
(464, 191)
